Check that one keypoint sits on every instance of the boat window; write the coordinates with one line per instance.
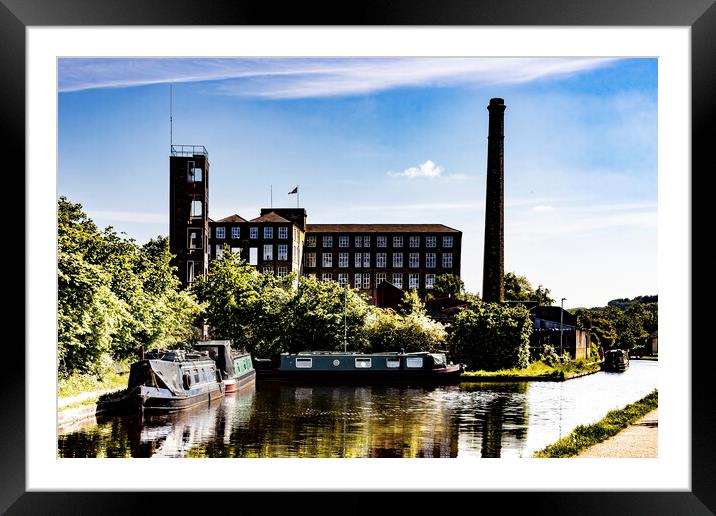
(363, 363)
(392, 363)
(414, 361)
(196, 376)
(304, 363)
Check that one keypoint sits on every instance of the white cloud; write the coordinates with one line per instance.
(304, 77)
(426, 169)
(542, 208)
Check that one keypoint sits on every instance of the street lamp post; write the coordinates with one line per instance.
(345, 314)
(561, 316)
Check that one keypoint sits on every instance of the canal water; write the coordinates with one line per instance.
(275, 420)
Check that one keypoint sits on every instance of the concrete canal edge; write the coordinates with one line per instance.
(71, 418)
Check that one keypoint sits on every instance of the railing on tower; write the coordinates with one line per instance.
(189, 150)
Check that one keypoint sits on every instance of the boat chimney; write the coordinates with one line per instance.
(141, 352)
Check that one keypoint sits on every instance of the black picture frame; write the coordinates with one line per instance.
(699, 15)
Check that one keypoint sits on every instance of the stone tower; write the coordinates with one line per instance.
(493, 282)
(189, 210)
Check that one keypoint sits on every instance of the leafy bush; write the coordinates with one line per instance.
(549, 355)
(388, 331)
(490, 336)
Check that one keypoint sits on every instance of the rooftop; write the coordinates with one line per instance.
(270, 217)
(379, 228)
(232, 218)
(189, 150)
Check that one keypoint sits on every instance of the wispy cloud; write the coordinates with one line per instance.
(541, 208)
(304, 77)
(583, 219)
(417, 207)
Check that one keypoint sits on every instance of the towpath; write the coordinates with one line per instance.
(640, 439)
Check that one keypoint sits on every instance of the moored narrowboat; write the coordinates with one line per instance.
(167, 381)
(236, 367)
(616, 360)
(322, 366)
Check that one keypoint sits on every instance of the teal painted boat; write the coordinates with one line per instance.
(235, 366)
(330, 366)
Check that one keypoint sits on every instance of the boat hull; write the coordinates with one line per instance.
(447, 375)
(145, 400)
(619, 368)
(240, 382)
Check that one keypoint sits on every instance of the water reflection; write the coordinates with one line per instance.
(275, 420)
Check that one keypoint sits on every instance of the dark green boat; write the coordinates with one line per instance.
(338, 367)
(616, 361)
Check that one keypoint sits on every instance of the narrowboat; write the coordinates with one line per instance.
(321, 366)
(236, 367)
(616, 360)
(167, 381)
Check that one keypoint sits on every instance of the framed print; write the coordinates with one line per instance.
(61, 77)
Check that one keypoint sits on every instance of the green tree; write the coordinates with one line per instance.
(448, 285)
(631, 334)
(491, 336)
(269, 315)
(242, 304)
(519, 288)
(321, 312)
(411, 304)
(114, 296)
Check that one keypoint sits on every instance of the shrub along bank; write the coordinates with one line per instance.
(491, 336)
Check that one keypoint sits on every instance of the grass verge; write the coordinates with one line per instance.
(614, 422)
(539, 369)
(79, 383)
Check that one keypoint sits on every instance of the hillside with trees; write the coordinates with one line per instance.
(624, 323)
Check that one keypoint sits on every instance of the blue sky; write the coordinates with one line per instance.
(387, 140)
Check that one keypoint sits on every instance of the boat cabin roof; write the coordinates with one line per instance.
(176, 355)
(351, 354)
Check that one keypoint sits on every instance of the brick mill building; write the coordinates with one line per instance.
(280, 240)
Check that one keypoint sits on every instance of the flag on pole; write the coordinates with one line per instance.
(294, 191)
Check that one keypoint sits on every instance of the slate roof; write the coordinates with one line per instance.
(379, 228)
(232, 218)
(270, 217)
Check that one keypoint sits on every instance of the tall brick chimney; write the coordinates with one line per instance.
(493, 281)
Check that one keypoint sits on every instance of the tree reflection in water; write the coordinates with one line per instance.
(343, 421)
(275, 420)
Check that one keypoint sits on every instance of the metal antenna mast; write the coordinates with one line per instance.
(171, 135)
